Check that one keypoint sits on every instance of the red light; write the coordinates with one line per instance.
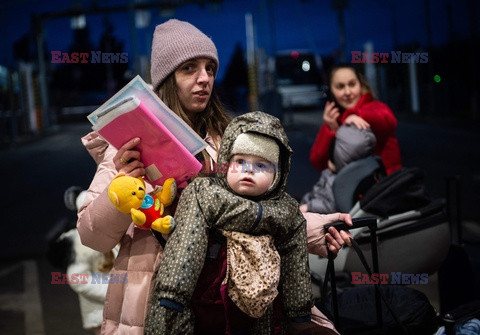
(294, 54)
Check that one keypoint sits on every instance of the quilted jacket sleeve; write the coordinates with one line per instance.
(100, 224)
(295, 276)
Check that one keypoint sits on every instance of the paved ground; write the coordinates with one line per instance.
(37, 172)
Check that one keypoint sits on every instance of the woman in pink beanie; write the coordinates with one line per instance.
(184, 63)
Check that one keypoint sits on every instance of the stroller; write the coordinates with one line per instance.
(415, 235)
(407, 219)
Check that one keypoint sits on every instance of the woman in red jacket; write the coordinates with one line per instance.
(354, 104)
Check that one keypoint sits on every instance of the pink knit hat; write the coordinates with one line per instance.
(175, 42)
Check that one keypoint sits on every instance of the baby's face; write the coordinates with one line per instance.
(250, 175)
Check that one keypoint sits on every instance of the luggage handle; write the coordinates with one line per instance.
(369, 221)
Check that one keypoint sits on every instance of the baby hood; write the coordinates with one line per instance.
(264, 124)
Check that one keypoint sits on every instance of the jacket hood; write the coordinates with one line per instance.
(264, 124)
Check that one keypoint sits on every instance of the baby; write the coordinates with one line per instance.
(350, 144)
(252, 183)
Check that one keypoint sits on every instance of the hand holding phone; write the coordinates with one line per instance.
(331, 113)
(329, 95)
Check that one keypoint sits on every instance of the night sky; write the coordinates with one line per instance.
(307, 24)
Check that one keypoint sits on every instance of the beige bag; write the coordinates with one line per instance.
(253, 272)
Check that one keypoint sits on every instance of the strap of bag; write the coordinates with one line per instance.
(360, 254)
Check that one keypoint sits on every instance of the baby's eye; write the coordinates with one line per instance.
(240, 161)
(261, 165)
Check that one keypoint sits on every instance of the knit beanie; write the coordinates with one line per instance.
(258, 145)
(175, 42)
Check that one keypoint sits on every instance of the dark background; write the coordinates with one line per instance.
(43, 110)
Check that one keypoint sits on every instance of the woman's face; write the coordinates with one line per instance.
(194, 80)
(346, 87)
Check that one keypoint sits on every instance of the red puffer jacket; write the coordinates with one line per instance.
(383, 124)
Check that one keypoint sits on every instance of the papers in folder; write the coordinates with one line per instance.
(168, 144)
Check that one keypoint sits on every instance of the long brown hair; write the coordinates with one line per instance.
(366, 88)
(213, 120)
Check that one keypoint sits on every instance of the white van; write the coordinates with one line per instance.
(298, 79)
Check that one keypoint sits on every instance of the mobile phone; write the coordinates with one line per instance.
(329, 95)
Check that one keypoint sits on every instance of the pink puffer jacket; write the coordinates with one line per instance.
(101, 227)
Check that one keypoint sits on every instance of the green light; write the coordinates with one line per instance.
(437, 78)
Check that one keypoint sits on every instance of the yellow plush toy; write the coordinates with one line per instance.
(128, 195)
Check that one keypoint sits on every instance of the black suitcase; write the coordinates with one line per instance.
(459, 275)
(374, 309)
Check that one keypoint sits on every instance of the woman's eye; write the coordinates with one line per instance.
(187, 67)
(210, 69)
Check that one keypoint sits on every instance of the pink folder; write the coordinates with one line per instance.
(161, 152)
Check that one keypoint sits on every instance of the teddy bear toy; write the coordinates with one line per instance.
(128, 195)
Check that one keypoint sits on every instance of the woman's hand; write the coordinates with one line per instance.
(127, 159)
(330, 115)
(304, 208)
(337, 239)
(318, 241)
(357, 121)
